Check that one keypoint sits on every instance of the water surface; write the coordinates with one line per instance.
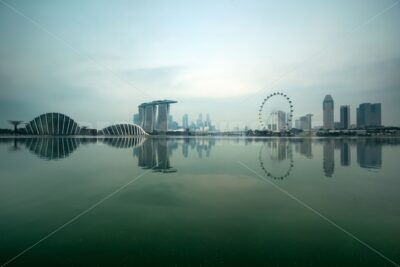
(199, 202)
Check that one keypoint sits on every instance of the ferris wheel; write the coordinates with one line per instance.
(276, 120)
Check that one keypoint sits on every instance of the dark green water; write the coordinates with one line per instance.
(199, 202)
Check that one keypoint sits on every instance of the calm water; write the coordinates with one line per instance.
(199, 202)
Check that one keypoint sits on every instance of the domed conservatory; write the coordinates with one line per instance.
(123, 129)
(60, 124)
(52, 124)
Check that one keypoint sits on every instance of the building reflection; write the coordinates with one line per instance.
(369, 153)
(329, 157)
(201, 146)
(155, 154)
(304, 147)
(345, 156)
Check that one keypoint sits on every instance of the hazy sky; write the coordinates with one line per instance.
(98, 60)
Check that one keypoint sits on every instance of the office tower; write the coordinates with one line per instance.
(199, 122)
(281, 120)
(344, 117)
(328, 109)
(304, 122)
(172, 125)
(136, 119)
(208, 120)
(369, 115)
(148, 112)
(185, 121)
(277, 121)
(297, 124)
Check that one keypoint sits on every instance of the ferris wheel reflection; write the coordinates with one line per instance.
(276, 158)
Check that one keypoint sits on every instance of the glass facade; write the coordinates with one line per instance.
(52, 124)
(123, 129)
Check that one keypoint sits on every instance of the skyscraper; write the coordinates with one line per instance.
(344, 117)
(185, 121)
(327, 107)
(277, 121)
(281, 119)
(136, 119)
(369, 115)
(148, 112)
(199, 122)
(305, 122)
(163, 116)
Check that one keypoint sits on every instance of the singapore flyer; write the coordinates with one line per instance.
(275, 113)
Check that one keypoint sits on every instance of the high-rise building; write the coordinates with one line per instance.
(185, 121)
(149, 119)
(172, 125)
(277, 121)
(281, 119)
(328, 109)
(136, 119)
(344, 117)
(297, 124)
(199, 122)
(148, 112)
(208, 120)
(163, 116)
(305, 122)
(369, 115)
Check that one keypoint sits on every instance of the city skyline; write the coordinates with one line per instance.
(57, 60)
(199, 133)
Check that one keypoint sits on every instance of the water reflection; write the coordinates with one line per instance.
(46, 148)
(201, 146)
(155, 154)
(345, 156)
(123, 142)
(369, 153)
(275, 156)
(304, 147)
(329, 158)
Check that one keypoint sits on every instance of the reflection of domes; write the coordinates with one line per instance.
(52, 148)
(123, 129)
(124, 142)
(52, 124)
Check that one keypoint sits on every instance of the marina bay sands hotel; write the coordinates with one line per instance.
(153, 116)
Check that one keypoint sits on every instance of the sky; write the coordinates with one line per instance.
(96, 61)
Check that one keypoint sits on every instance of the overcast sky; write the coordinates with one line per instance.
(98, 60)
